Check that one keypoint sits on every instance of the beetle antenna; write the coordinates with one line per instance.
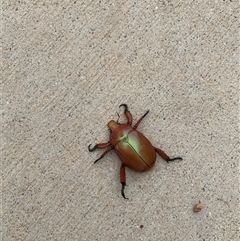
(118, 117)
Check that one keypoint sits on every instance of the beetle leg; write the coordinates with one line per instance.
(123, 179)
(127, 114)
(165, 156)
(104, 153)
(99, 146)
(139, 121)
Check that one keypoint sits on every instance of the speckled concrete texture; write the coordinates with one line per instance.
(67, 66)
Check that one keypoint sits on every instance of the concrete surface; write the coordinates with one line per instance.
(67, 66)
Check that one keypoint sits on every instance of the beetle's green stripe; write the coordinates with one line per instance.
(134, 145)
(135, 148)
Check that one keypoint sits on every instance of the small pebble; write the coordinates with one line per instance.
(197, 208)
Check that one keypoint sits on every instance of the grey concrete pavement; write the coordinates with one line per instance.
(67, 66)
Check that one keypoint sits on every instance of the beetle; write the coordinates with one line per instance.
(134, 150)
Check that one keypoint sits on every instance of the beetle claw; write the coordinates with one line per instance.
(173, 159)
(125, 107)
(122, 191)
(92, 149)
(98, 159)
(145, 113)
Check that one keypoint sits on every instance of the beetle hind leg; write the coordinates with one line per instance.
(165, 156)
(123, 180)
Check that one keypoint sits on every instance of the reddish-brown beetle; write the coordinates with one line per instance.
(133, 148)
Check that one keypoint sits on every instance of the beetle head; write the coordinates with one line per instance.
(112, 125)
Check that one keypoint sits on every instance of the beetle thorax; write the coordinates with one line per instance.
(112, 125)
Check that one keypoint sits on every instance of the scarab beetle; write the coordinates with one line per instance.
(134, 150)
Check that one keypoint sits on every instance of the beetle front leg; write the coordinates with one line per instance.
(123, 179)
(139, 121)
(127, 114)
(104, 153)
(100, 146)
(165, 156)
